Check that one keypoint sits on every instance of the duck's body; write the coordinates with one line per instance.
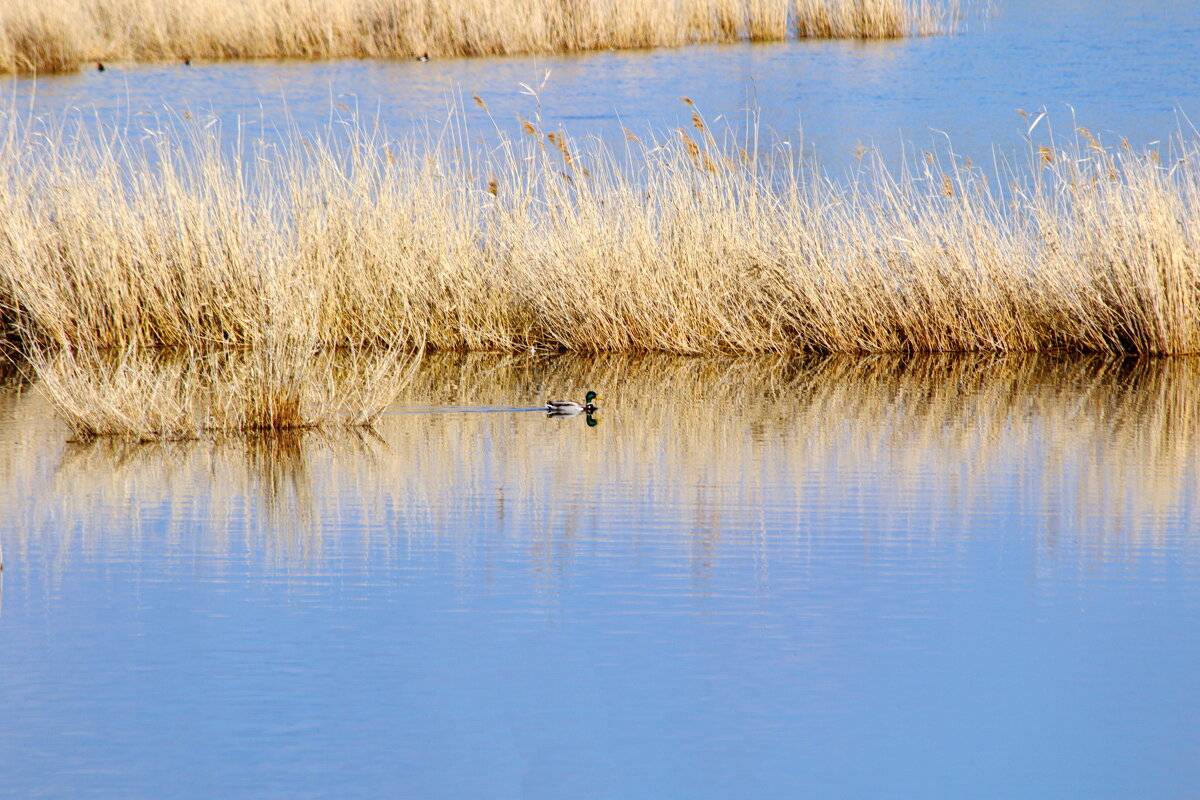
(570, 407)
(565, 408)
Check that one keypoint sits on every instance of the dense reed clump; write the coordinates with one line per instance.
(688, 245)
(54, 35)
(151, 395)
(888, 19)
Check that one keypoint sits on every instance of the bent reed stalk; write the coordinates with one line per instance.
(687, 245)
(57, 35)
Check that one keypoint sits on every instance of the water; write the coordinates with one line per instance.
(884, 577)
(873, 577)
(1125, 68)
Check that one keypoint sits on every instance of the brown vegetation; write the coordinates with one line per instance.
(55, 35)
(689, 245)
(143, 395)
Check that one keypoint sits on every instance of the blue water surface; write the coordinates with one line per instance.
(1119, 67)
(833, 579)
(948, 578)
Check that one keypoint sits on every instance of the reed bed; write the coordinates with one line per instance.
(148, 396)
(691, 244)
(56, 35)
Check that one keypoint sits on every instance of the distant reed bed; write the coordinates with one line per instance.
(55, 35)
(691, 244)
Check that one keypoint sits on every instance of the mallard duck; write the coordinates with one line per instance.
(571, 407)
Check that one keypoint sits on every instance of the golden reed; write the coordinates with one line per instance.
(687, 245)
(179, 395)
(57, 35)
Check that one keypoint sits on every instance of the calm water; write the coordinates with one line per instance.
(1127, 68)
(948, 577)
(879, 577)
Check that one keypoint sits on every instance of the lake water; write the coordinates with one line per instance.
(752, 578)
(845, 577)
(1126, 68)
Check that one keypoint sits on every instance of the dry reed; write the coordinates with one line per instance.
(882, 19)
(160, 395)
(55, 35)
(688, 246)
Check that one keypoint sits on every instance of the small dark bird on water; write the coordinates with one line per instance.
(99, 66)
(423, 57)
(187, 61)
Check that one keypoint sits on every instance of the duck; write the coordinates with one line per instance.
(565, 407)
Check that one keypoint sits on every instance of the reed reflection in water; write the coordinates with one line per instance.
(1101, 451)
(750, 576)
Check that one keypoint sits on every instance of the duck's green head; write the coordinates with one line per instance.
(590, 397)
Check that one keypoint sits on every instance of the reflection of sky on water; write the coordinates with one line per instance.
(752, 579)
(1125, 67)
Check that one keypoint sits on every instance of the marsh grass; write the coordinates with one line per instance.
(56, 35)
(164, 395)
(690, 244)
(882, 19)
